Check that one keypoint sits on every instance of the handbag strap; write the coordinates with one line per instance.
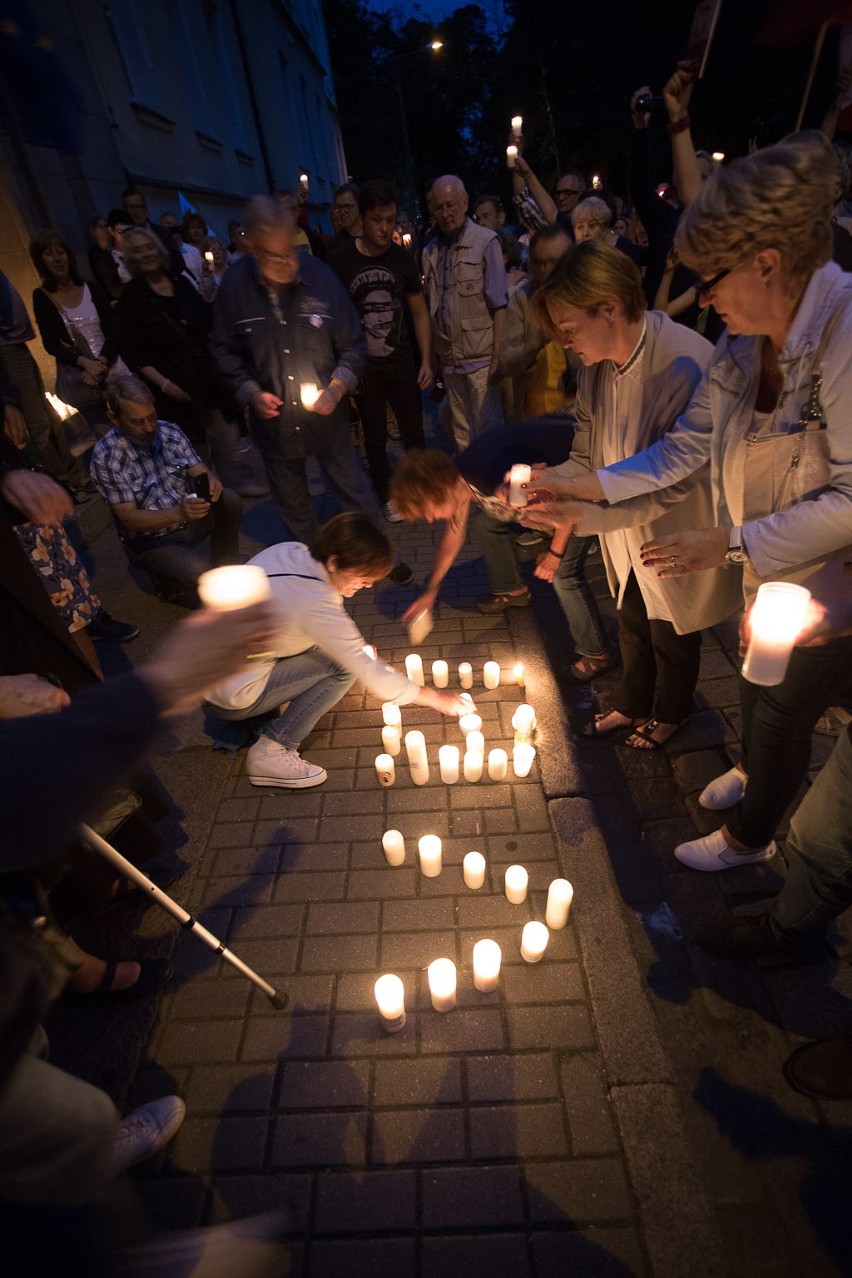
(812, 417)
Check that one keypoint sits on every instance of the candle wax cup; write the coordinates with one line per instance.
(309, 394)
(518, 475)
(487, 956)
(448, 762)
(442, 984)
(473, 869)
(391, 740)
(234, 586)
(440, 674)
(776, 621)
(393, 844)
(391, 714)
(473, 764)
(390, 998)
(560, 894)
(466, 674)
(522, 759)
(534, 940)
(491, 674)
(475, 743)
(470, 723)
(516, 884)
(414, 668)
(498, 764)
(429, 850)
(385, 770)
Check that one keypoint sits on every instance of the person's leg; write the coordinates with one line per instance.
(232, 453)
(372, 406)
(175, 560)
(818, 851)
(678, 659)
(288, 483)
(457, 396)
(776, 746)
(495, 539)
(225, 518)
(406, 400)
(577, 600)
(485, 404)
(311, 682)
(348, 481)
(635, 696)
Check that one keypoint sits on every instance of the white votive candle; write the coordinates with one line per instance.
(393, 845)
(440, 674)
(473, 764)
(491, 674)
(390, 997)
(517, 123)
(391, 740)
(473, 869)
(309, 393)
(208, 257)
(442, 984)
(486, 966)
(777, 619)
(516, 884)
(518, 475)
(448, 762)
(429, 850)
(498, 764)
(522, 759)
(560, 894)
(534, 940)
(475, 743)
(385, 770)
(511, 156)
(234, 586)
(414, 668)
(523, 720)
(466, 674)
(415, 745)
(518, 674)
(470, 723)
(391, 714)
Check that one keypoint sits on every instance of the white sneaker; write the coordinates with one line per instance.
(390, 513)
(145, 1131)
(725, 792)
(269, 763)
(713, 852)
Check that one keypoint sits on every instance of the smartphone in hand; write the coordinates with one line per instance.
(201, 483)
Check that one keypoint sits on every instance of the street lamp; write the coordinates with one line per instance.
(408, 169)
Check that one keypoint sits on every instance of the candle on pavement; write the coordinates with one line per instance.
(440, 674)
(442, 984)
(466, 674)
(448, 762)
(491, 674)
(429, 849)
(475, 743)
(534, 940)
(473, 869)
(391, 740)
(522, 759)
(393, 845)
(486, 966)
(560, 894)
(385, 770)
(516, 883)
(390, 997)
(498, 763)
(473, 763)
(414, 668)
(470, 723)
(391, 714)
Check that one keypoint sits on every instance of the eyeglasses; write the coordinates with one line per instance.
(706, 287)
(345, 208)
(567, 190)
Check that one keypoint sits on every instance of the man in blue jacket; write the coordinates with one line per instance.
(285, 327)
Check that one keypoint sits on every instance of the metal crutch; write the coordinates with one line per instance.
(186, 920)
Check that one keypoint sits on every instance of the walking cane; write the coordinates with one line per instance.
(186, 920)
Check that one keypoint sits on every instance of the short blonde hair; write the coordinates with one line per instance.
(780, 197)
(595, 210)
(141, 232)
(587, 276)
(423, 478)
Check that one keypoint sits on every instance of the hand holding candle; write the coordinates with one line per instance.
(234, 586)
(777, 618)
(309, 394)
(518, 476)
(511, 156)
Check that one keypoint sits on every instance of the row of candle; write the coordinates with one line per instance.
(449, 762)
(441, 673)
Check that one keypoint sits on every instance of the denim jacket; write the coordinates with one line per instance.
(780, 543)
(312, 335)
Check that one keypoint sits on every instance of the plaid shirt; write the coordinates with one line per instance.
(151, 478)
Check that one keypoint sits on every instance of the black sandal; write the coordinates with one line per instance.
(646, 732)
(592, 730)
(152, 974)
(588, 668)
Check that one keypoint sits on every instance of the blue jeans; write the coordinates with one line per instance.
(819, 852)
(578, 602)
(311, 682)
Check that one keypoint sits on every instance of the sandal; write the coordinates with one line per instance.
(501, 603)
(151, 975)
(588, 668)
(594, 729)
(646, 733)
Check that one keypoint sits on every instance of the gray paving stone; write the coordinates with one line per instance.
(269, 1037)
(373, 885)
(590, 1119)
(422, 1135)
(472, 1197)
(365, 1202)
(196, 1000)
(607, 1252)
(221, 1144)
(316, 856)
(363, 1258)
(289, 829)
(544, 983)
(267, 920)
(491, 911)
(418, 915)
(518, 1131)
(541, 1027)
(361, 803)
(238, 809)
(306, 993)
(361, 1034)
(235, 1197)
(435, 1081)
(339, 953)
(239, 862)
(232, 890)
(512, 1077)
(323, 1085)
(319, 1140)
(415, 949)
(270, 955)
(214, 1089)
(188, 1042)
(462, 1030)
(476, 1256)
(232, 834)
(583, 1190)
(350, 916)
(310, 887)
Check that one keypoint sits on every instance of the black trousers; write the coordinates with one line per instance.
(404, 396)
(655, 658)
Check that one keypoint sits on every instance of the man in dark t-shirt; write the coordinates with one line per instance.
(384, 284)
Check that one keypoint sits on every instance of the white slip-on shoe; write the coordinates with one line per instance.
(269, 763)
(725, 792)
(145, 1131)
(713, 852)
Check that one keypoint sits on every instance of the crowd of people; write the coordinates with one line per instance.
(673, 367)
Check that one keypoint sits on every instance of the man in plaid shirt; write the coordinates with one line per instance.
(144, 470)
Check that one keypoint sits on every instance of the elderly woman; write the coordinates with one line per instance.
(317, 652)
(639, 372)
(773, 415)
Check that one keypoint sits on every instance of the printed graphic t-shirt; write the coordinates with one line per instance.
(379, 288)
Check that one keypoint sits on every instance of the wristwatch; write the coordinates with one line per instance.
(737, 553)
